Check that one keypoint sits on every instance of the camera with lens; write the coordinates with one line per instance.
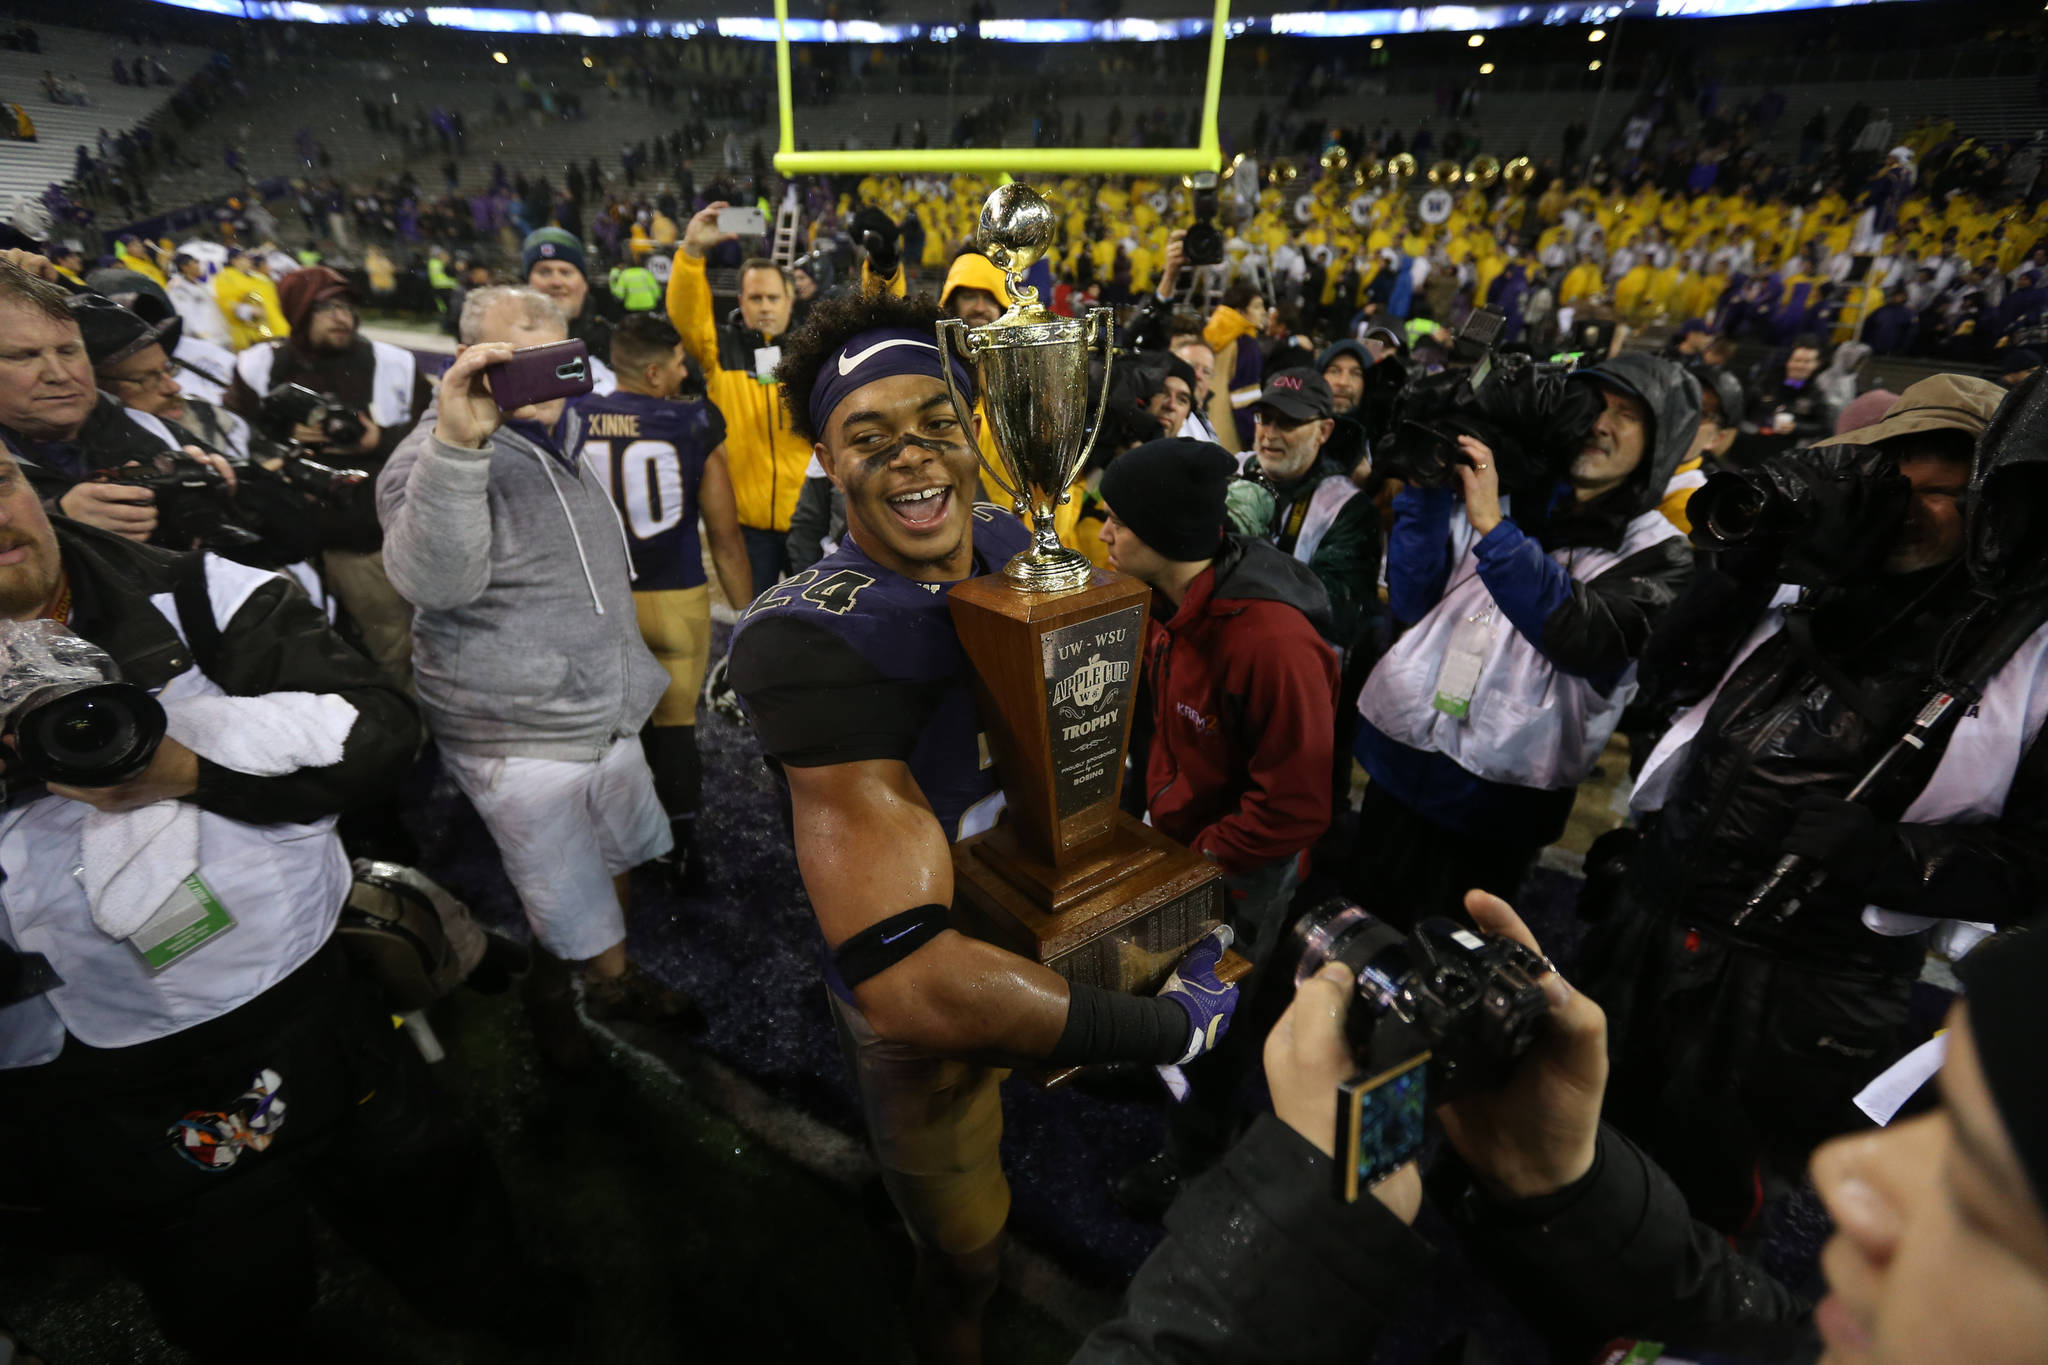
(1522, 409)
(289, 406)
(1203, 242)
(321, 482)
(1824, 515)
(1435, 1013)
(193, 502)
(68, 716)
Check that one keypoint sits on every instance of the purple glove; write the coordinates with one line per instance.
(1196, 988)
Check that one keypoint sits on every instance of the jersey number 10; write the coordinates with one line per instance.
(646, 482)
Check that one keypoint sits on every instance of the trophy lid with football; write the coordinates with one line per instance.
(1065, 876)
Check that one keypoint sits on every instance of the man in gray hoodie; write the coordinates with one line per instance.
(530, 666)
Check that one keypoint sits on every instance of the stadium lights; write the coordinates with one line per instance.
(1319, 23)
(1476, 40)
(1486, 68)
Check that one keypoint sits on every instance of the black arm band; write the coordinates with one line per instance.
(879, 947)
(1111, 1026)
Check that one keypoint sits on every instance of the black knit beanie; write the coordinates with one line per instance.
(1170, 493)
(2008, 1018)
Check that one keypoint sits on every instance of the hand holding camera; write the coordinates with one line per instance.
(1386, 1027)
(1170, 265)
(121, 508)
(1537, 1133)
(879, 236)
(1481, 479)
(702, 232)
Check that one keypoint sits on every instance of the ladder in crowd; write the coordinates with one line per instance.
(783, 252)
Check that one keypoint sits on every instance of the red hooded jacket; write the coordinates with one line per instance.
(1244, 710)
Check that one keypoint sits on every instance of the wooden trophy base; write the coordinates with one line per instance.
(1119, 918)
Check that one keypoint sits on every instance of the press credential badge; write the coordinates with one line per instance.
(1457, 678)
(192, 916)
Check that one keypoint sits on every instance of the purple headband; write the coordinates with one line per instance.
(879, 354)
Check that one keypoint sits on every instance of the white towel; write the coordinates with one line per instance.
(133, 861)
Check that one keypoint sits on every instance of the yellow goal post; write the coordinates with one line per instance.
(1208, 156)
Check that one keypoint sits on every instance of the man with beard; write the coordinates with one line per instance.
(1526, 623)
(863, 700)
(327, 353)
(1298, 498)
(553, 262)
(1737, 1048)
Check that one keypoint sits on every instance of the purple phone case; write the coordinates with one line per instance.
(541, 374)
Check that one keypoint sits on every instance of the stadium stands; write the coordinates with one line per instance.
(31, 167)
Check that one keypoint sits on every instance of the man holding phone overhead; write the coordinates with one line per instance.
(530, 666)
(738, 363)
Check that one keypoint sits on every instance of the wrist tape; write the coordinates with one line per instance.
(1111, 1026)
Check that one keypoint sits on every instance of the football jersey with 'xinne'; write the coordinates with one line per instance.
(849, 661)
(650, 452)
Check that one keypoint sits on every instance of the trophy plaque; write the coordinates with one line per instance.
(1065, 877)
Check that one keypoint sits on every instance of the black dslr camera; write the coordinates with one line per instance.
(1440, 1012)
(289, 406)
(294, 405)
(1203, 242)
(1824, 515)
(1522, 409)
(193, 510)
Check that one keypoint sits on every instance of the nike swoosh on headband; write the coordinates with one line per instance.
(849, 363)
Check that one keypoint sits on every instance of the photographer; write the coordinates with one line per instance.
(382, 386)
(253, 517)
(1526, 622)
(179, 1108)
(1939, 1250)
(60, 429)
(1740, 1038)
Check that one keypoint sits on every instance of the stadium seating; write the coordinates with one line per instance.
(31, 167)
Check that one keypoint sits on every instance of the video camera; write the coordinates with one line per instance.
(1203, 242)
(1522, 409)
(1823, 515)
(192, 506)
(1437, 1013)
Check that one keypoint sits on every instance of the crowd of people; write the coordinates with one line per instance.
(1410, 497)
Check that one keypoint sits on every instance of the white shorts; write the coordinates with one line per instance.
(564, 831)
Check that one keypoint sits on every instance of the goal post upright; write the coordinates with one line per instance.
(1206, 156)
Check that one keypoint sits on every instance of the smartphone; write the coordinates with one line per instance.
(541, 374)
(1381, 1121)
(745, 222)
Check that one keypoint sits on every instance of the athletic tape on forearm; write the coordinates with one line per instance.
(1110, 1026)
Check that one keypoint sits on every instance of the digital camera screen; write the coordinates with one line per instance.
(1382, 1120)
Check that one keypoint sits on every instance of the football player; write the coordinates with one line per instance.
(862, 698)
(664, 461)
